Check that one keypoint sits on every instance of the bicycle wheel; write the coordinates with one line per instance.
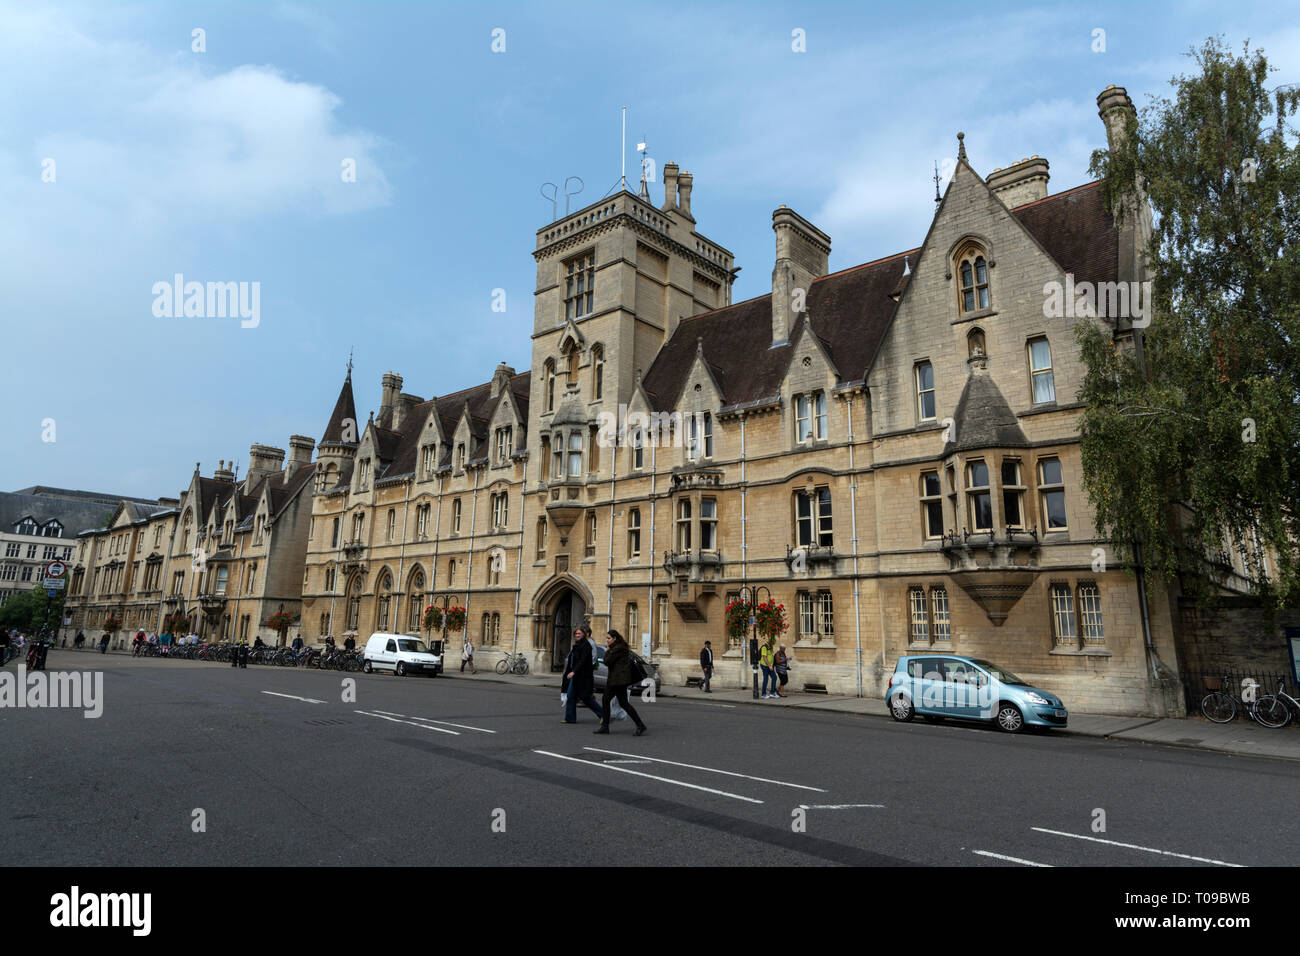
(1272, 711)
(1218, 707)
(521, 665)
(501, 666)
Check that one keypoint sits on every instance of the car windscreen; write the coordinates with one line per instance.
(414, 646)
(1004, 676)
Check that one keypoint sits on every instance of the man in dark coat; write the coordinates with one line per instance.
(579, 682)
(706, 664)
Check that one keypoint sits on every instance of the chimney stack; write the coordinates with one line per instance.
(300, 449)
(1116, 111)
(262, 460)
(802, 255)
(223, 473)
(1020, 183)
(670, 186)
(1114, 107)
(391, 388)
(501, 379)
(684, 194)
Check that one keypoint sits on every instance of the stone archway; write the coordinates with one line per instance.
(559, 606)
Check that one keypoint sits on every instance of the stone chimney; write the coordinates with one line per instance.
(223, 473)
(1116, 109)
(390, 389)
(300, 449)
(403, 408)
(802, 255)
(684, 194)
(1020, 183)
(263, 460)
(501, 379)
(670, 186)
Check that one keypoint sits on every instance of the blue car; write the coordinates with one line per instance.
(937, 686)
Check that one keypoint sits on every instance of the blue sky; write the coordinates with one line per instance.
(225, 166)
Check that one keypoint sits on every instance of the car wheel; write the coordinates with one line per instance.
(367, 668)
(1009, 718)
(400, 669)
(901, 709)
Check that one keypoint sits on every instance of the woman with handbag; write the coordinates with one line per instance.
(618, 661)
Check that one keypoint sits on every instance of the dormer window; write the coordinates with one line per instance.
(363, 474)
(460, 456)
(503, 436)
(430, 458)
(26, 526)
(973, 276)
(52, 529)
(579, 286)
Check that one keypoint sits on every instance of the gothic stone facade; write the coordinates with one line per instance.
(891, 450)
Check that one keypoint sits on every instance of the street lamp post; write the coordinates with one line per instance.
(749, 594)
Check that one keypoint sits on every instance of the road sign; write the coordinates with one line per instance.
(54, 594)
(56, 569)
(56, 584)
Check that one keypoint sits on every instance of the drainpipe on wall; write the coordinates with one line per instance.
(609, 580)
(853, 516)
(744, 552)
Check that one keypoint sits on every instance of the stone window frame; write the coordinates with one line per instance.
(971, 255)
(817, 519)
(1018, 488)
(921, 392)
(1035, 373)
(1045, 488)
(928, 500)
(580, 267)
(974, 491)
(633, 534)
(918, 617)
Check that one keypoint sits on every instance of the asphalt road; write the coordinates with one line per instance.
(421, 771)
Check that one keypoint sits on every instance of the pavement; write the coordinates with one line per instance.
(1239, 737)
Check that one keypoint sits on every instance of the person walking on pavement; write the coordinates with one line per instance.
(781, 664)
(103, 643)
(467, 655)
(243, 654)
(766, 659)
(618, 661)
(706, 664)
(579, 677)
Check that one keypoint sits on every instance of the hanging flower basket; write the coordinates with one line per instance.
(432, 618)
(176, 624)
(771, 621)
(454, 619)
(738, 614)
(112, 625)
(280, 622)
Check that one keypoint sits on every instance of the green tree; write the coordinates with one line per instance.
(27, 611)
(1193, 440)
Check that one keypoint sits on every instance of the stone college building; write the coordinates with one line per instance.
(892, 450)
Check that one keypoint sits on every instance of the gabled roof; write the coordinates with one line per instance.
(851, 310)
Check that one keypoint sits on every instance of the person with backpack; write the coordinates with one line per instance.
(618, 661)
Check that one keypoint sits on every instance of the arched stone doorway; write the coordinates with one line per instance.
(559, 607)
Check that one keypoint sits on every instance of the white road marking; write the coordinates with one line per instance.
(638, 773)
(1134, 846)
(411, 722)
(1010, 859)
(840, 806)
(432, 721)
(691, 766)
(625, 761)
(310, 700)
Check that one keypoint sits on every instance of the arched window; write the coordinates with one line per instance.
(573, 358)
(354, 603)
(973, 278)
(415, 614)
(496, 628)
(550, 385)
(384, 602)
(597, 372)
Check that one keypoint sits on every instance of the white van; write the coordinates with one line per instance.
(400, 653)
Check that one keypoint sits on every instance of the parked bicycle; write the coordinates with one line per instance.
(513, 663)
(1221, 704)
(1276, 710)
